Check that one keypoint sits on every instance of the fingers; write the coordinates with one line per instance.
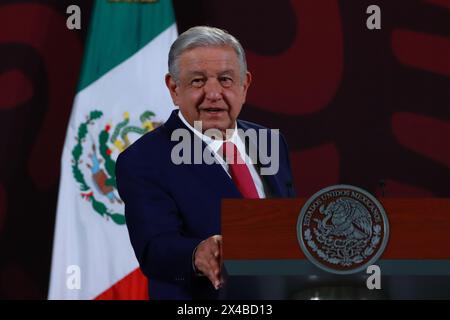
(208, 259)
(218, 254)
(220, 258)
(222, 281)
(214, 274)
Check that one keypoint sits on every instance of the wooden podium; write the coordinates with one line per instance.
(260, 237)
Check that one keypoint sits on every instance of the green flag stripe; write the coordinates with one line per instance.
(117, 31)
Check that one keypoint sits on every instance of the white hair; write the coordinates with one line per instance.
(203, 36)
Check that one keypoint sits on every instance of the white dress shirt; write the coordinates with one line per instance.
(215, 145)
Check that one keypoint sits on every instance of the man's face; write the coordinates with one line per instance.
(209, 87)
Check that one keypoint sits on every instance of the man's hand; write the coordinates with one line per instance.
(208, 259)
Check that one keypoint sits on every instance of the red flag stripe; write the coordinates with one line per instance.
(132, 287)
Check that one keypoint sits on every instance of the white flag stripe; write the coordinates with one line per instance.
(83, 237)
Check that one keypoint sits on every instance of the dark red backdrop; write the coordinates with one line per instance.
(368, 108)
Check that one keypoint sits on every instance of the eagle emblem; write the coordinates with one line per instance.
(94, 159)
(342, 229)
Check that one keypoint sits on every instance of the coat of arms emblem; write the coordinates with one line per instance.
(342, 229)
(93, 160)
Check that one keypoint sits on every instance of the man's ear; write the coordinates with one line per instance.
(172, 86)
(246, 84)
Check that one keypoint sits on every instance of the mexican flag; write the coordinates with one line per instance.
(121, 96)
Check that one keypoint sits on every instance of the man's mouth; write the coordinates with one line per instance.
(212, 110)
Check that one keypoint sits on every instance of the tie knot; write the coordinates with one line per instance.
(231, 153)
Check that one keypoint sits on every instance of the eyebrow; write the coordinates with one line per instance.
(196, 73)
(201, 73)
(229, 71)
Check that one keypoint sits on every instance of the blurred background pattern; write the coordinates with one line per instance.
(363, 107)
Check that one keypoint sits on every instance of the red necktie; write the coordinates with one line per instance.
(239, 171)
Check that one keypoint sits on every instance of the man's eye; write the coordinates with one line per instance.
(226, 81)
(197, 82)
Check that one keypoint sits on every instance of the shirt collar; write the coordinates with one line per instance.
(215, 145)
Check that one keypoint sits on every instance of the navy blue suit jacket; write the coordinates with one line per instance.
(170, 208)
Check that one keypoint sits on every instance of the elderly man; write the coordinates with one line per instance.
(173, 210)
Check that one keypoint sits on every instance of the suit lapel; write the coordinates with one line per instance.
(212, 175)
(215, 177)
(273, 181)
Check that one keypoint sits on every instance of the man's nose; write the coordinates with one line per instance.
(213, 90)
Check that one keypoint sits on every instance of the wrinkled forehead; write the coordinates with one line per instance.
(209, 60)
